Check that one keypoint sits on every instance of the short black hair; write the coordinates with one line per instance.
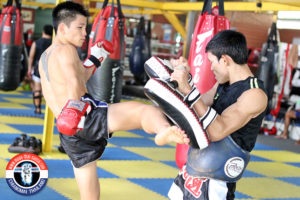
(66, 12)
(231, 43)
(48, 29)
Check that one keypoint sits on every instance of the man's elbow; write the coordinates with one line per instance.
(216, 133)
(215, 137)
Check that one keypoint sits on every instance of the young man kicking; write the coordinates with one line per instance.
(84, 123)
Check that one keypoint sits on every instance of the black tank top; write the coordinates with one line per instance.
(226, 95)
(41, 45)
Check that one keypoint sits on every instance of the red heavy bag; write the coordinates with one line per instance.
(207, 26)
(11, 24)
(109, 24)
(11, 46)
(106, 83)
(210, 22)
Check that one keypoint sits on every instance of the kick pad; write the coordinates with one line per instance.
(172, 104)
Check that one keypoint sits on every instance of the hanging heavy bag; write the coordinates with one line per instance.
(106, 83)
(268, 64)
(11, 37)
(24, 62)
(148, 52)
(137, 56)
(209, 23)
(207, 26)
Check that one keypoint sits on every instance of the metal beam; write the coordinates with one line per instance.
(138, 3)
(192, 6)
(197, 6)
(149, 12)
(140, 11)
(175, 22)
(230, 6)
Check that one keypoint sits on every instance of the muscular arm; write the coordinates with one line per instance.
(249, 105)
(31, 57)
(88, 72)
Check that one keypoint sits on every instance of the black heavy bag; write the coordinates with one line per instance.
(137, 56)
(268, 64)
(11, 37)
(24, 62)
(106, 83)
(148, 52)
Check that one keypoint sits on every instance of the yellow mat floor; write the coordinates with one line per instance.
(133, 167)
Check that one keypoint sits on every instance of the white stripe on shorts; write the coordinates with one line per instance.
(217, 189)
(175, 193)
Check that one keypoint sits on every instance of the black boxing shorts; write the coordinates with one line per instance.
(83, 149)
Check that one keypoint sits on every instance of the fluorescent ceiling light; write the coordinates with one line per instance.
(288, 15)
(288, 24)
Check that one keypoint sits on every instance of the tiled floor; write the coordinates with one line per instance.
(133, 167)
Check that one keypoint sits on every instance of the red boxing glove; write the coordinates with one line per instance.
(99, 52)
(72, 117)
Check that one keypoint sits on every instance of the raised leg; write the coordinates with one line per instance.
(135, 115)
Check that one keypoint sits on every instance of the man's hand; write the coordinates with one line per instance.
(29, 72)
(99, 52)
(180, 62)
(181, 76)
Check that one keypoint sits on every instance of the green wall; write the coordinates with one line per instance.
(42, 17)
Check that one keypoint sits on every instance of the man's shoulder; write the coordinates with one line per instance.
(255, 99)
(62, 50)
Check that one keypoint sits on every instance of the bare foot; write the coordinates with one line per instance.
(171, 134)
(298, 142)
(282, 136)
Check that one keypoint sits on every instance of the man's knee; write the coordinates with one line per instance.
(290, 114)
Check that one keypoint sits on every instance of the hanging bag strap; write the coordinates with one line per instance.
(98, 23)
(10, 3)
(120, 13)
(141, 27)
(18, 4)
(13, 26)
(208, 5)
(104, 4)
(273, 34)
(110, 23)
(121, 31)
(221, 8)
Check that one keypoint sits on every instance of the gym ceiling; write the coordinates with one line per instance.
(159, 6)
